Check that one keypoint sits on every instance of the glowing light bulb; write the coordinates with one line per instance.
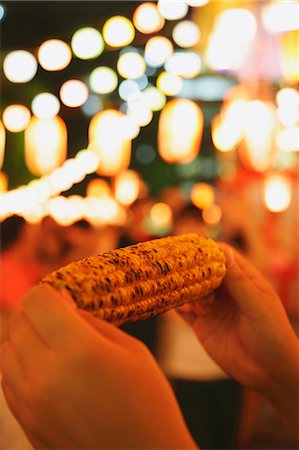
(19, 66)
(186, 34)
(45, 105)
(169, 84)
(131, 65)
(87, 43)
(202, 195)
(103, 80)
(157, 50)
(16, 118)
(73, 93)
(54, 55)
(118, 31)
(172, 10)
(147, 18)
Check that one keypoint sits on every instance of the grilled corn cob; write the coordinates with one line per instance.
(143, 280)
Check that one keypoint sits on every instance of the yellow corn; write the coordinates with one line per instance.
(145, 279)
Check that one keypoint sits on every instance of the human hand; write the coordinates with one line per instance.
(244, 328)
(74, 381)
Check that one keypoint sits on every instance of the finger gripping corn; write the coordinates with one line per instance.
(143, 280)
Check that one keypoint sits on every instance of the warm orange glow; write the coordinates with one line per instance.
(225, 133)
(60, 209)
(118, 31)
(126, 187)
(106, 137)
(212, 214)
(161, 216)
(3, 182)
(98, 188)
(277, 192)
(157, 50)
(16, 118)
(180, 131)
(202, 195)
(2, 143)
(105, 210)
(45, 144)
(54, 55)
(288, 106)
(259, 129)
(289, 56)
(73, 93)
(147, 18)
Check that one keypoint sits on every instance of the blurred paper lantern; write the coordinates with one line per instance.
(131, 65)
(3, 182)
(157, 50)
(279, 17)
(126, 187)
(277, 192)
(226, 133)
(287, 139)
(186, 33)
(169, 84)
(19, 66)
(45, 105)
(118, 31)
(212, 214)
(73, 93)
(16, 118)
(54, 55)
(180, 131)
(289, 56)
(103, 80)
(106, 138)
(172, 10)
(2, 143)
(259, 132)
(87, 43)
(98, 188)
(202, 195)
(45, 144)
(185, 64)
(147, 18)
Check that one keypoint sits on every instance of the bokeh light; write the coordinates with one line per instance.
(98, 188)
(118, 31)
(126, 187)
(155, 99)
(127, 87)
(202, 195)
(287, 139)
(157, 50)
(184, 63)
(2, 143)
(186, 33)
(92, 105)
(197, 3)
(161, 217)
(16, 118)
(54, 55)
(45, 105)
(277, 192)
(3, 182)
(131, 65)
(103, 80)
(279, 17)
(172, 10)
(226, 133)
(87, 43)
(147, 18)
(19, 66)
(73, 93)
(169, 84)
(288, 106)
(212, 214)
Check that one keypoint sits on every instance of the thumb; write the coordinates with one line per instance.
(245, 284)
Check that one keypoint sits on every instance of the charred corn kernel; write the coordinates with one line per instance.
(145, 279)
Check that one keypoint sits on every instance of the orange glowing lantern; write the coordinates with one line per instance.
(180, 131)
(106, 138)
(277, 192)
(259, 127)
(2, 143)
(126, 187)
(45, 144)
